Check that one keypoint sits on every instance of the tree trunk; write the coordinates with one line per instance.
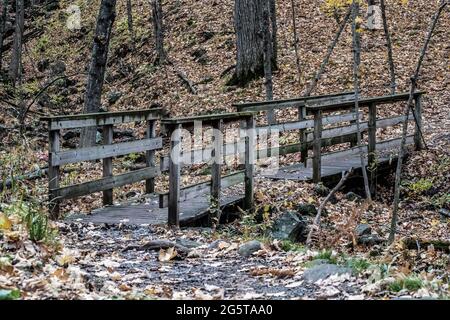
(268, 59)
(273, 21)
(356, 63)
(97, 67)
(3, 11)
(130, 23)
(16, 56)
(248, 19)
(296, 41)
(409, 105)
(158, 28)
(389, 46)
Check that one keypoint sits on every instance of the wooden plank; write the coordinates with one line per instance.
(372, 136)
(307, 124)
(418, 142)
(198, 189)
(53, 173)
(317, 146)
(107, 164)
(216, 155)
(105, 151)
(249, 162)
(302, 136)
(106, 183)
(289, 103)
(364, 102)
(208, 119)
(174, 175)
(100, 119)
(150, 156)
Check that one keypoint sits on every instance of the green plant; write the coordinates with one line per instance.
(287, 245)
(420, 186)
(357, 264)
(326, 255)
(410, 283)
(9, 294)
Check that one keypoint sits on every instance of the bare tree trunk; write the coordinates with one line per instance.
(389, 46)
(297, 56)
(409, 106)
(105, 21)
(265, 31)
(356, 63)
(16, 56)
(2, 29)
(330, 50)
(130, 23)
(158, 28)
(274, 36)
(248, 18)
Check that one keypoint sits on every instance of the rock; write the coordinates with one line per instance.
(188, 243)
(363, 230)
(370, 240)
(444, 212)
(307, 209)
(321, 190)
(289, 227)
(316, 262)
(43, 64)
(58, 68)
(323, 271)
(113, 97)
(351, 196)
(131, 194)
(248, 248)
(217, 243)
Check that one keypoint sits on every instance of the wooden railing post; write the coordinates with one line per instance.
(107, 164)
(216, 155)
(418, 113)
(249, 161)
(150, 156)
(372, 133)
(53, 174)
(304, 144)
(317, 161)
(174, 175)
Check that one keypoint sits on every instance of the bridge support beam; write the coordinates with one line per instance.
(317, 160)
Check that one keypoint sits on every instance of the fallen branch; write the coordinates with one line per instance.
(316, 223)
(417, 244)
(189, 84)
(36, 174)
(156, 245)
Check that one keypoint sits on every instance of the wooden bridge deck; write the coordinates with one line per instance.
(191, 211)
(334, 163)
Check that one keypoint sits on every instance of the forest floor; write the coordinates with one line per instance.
(87, 261)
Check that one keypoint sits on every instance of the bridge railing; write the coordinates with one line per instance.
(106, 152)
(327, 137)
(213, 154)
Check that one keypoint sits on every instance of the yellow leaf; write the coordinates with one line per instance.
(5, 223)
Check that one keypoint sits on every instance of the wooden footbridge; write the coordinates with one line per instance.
(319, 122)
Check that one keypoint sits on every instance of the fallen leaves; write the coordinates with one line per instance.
(280, 273)
(167, 255)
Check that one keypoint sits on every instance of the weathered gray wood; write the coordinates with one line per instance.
(107, 164)
(249, 162)
(107, 183)
(292, 103)
(216, 155)
(150, 156)
(174, 175)
(53, 174)
(208, 119)
(317, 146)
(105, 151)
(418, 127)
(100, 119)
(198, 189)
(372, 135)
(302, 136)
(364, 102)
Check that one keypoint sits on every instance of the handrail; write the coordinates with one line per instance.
(226, 117)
